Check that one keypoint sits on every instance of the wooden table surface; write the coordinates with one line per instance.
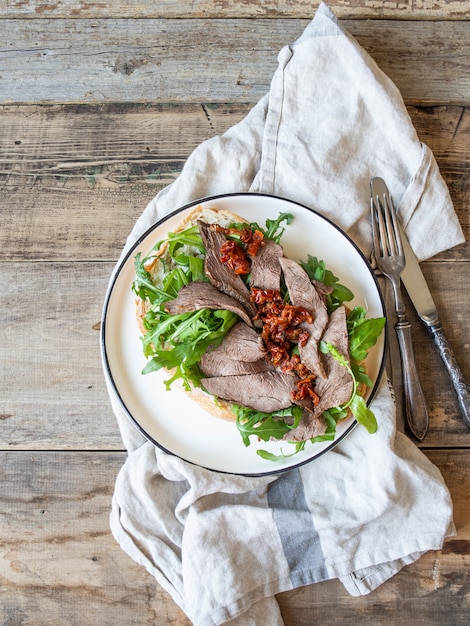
(101, 104)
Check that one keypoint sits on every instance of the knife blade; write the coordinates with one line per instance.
(420, 295)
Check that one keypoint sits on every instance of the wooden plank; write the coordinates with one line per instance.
(439, 9)
(65, 168)
(39, 141)
(67, 145)
(219, 60)
(60, 561)
(51, 380)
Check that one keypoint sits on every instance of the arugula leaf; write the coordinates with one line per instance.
(360, 374)
(356, 403)
(179, 341)
(189, 237)
(266, 429)
(265, 425)
(363, 414)
(316, 270)
(363, 334)
(143, 286)
(273, 229)
(269, 456)
(328, 435)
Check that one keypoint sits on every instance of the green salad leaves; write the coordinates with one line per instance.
(177, 342)
(363, 334)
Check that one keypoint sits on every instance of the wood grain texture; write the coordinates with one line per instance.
(51, 381)
(60, 561)
(218, 60)
(117, 95)
(81, 175)
(416, 9)
(51, 378)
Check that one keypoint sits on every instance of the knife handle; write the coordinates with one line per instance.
(461, 385)
(416, 412)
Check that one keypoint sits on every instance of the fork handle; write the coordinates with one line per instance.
(461, 385)
(415, 404)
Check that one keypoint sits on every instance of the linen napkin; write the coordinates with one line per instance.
(224, 545)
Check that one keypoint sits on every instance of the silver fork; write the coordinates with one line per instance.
(390, 259)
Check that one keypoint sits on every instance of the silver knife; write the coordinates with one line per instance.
(419, 293)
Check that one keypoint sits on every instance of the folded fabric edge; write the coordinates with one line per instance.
(427, 188)
(265, 611)
(135, 553)
(364, 580)
(244, 612)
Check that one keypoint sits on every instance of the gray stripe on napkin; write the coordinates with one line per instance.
(300, 541)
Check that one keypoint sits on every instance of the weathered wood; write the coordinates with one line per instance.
(153, 80)
(221, 60)
(60, 561)
(233, 8)
(51, 380)
(83, 174)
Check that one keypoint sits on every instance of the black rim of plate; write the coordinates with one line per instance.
(117, 272)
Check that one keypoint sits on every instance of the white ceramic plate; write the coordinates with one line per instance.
(169, 418)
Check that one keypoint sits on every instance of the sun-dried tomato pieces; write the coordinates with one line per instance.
(265, 296)
(254, 242)
(250, 239)
(281, 328)
(305, 390)
(234, 256)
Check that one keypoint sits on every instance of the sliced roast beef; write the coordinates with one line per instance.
(265, 267)
(244, 343)
(337, 388)
(267, 391)
(311, 425)
(221, 276)
(241, 352)
(216, 364)
(199, 295)
(322, 289)
(304, 294)
(333, 391)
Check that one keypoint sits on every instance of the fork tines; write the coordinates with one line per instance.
(386, 232)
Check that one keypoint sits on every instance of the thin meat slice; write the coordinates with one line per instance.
(266, 392)
(304, 294)
(311, 425)
(265, 267)
(241, 352)
(333, 391)
(199, 295)
(220, 275)
(337, 388)
(244, 343)
(214, 364)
